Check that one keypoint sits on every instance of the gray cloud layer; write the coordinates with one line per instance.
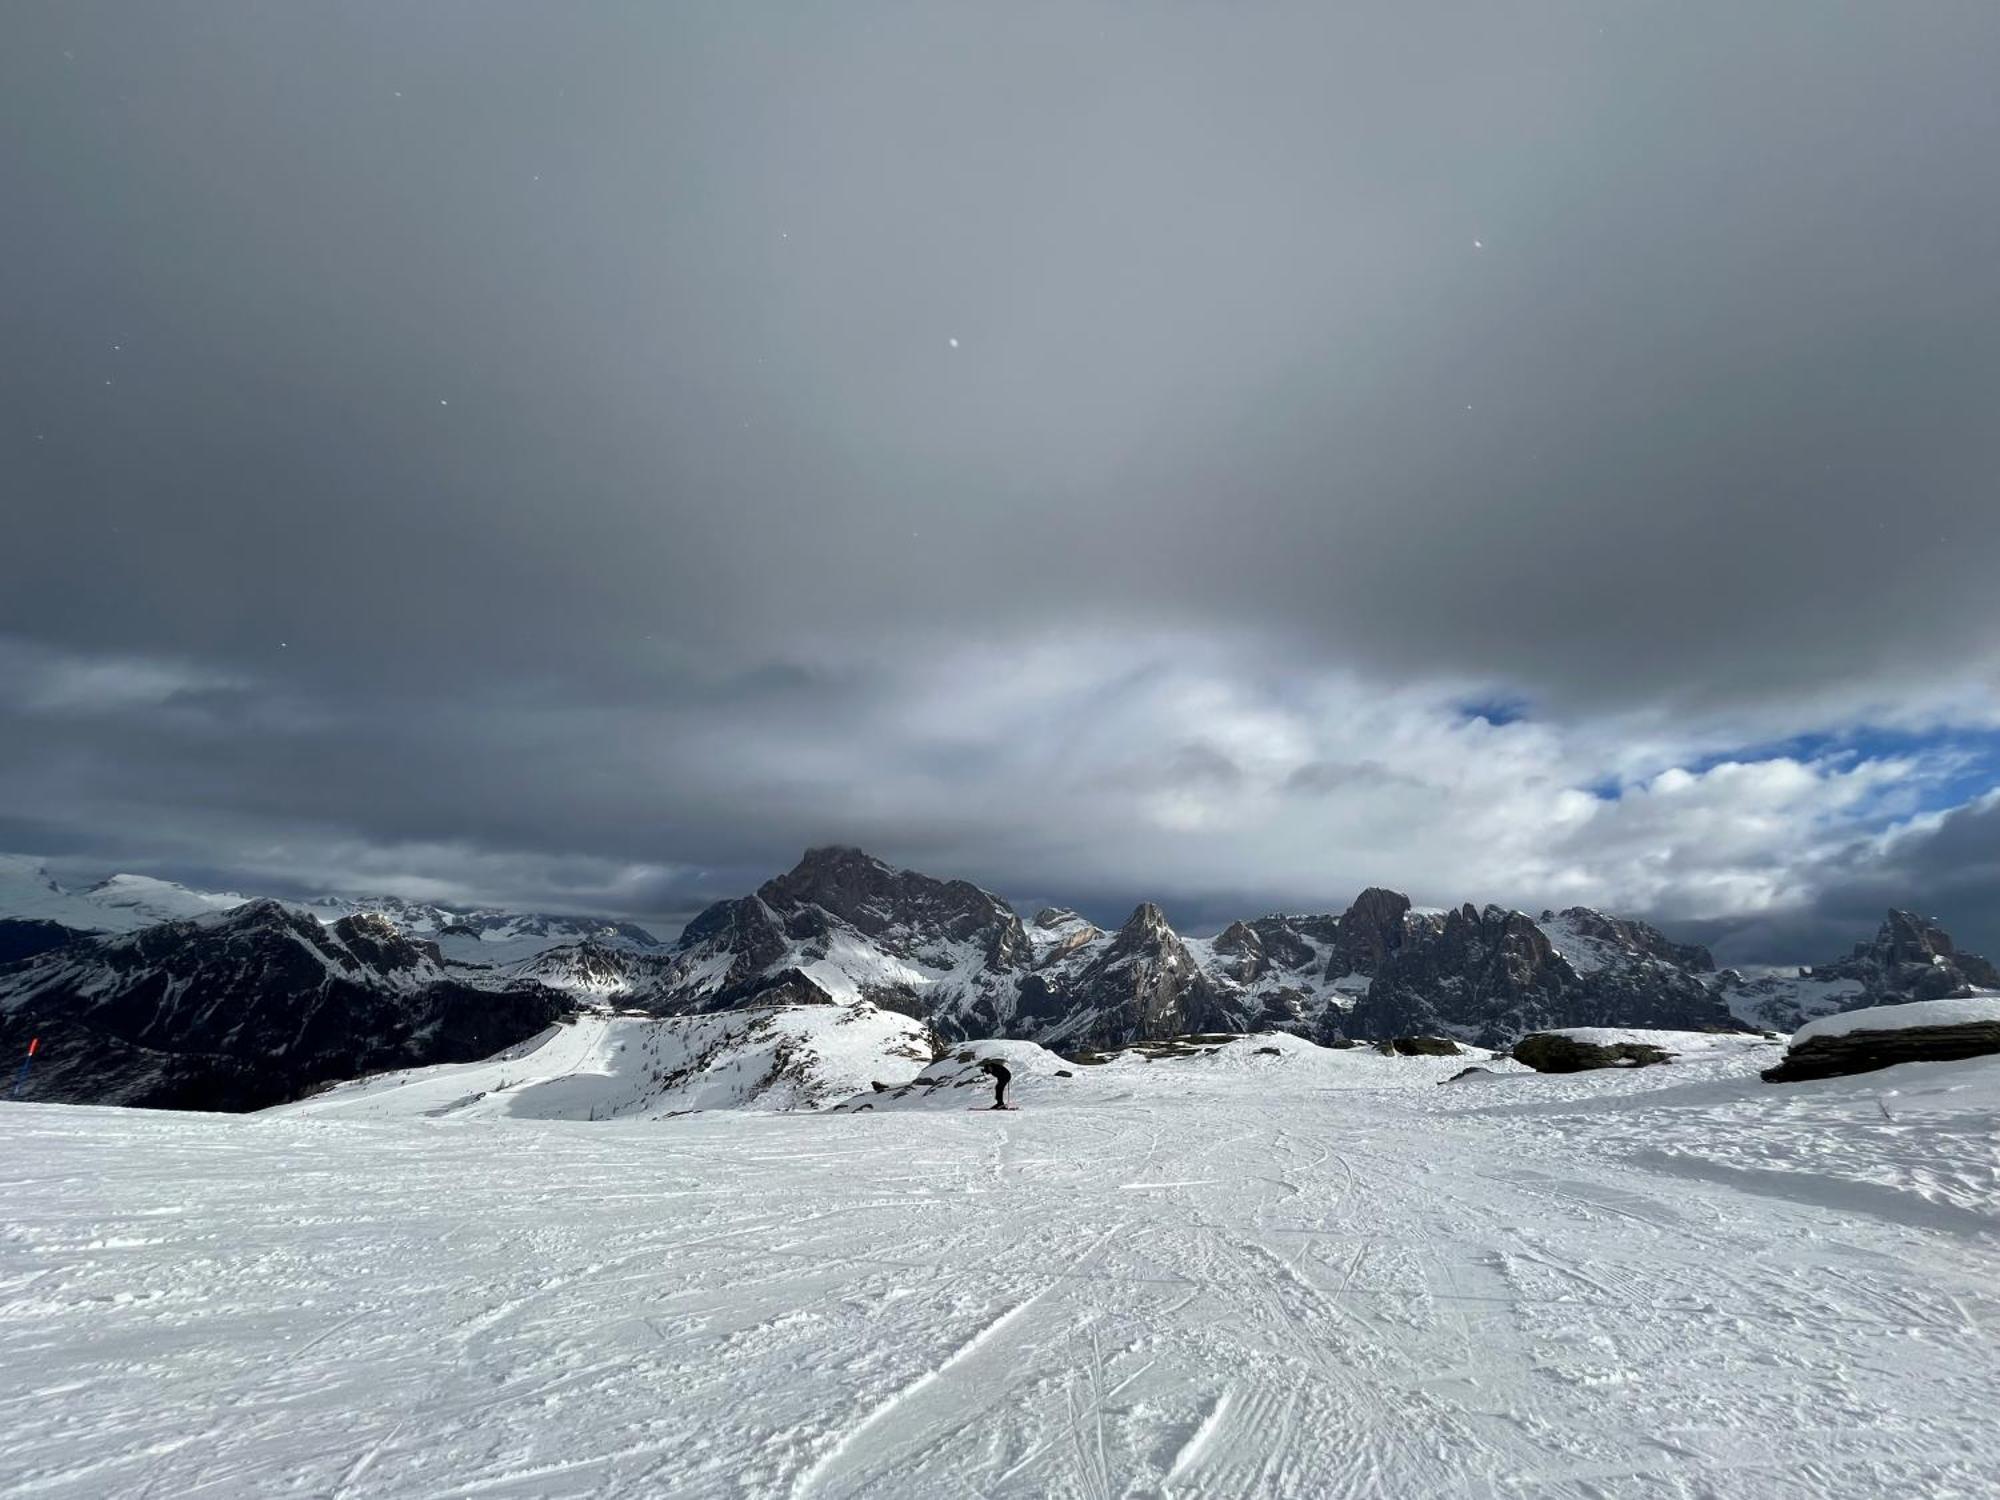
(525, 447)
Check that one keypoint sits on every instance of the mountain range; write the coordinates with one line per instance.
(149, 993)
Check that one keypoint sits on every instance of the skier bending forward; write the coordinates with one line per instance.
(997, 1071)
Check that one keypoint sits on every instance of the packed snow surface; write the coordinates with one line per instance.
(1289, 1273)
(1967, 1010)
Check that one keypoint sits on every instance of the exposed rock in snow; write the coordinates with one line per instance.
(1863, 1041)
(1567, 1052)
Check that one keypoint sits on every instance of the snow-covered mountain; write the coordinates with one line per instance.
(246, 1007)
(625, 1067)
(843, 925)
(31, 903)
(36, 913)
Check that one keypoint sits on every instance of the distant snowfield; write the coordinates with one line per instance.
(1295, 1273)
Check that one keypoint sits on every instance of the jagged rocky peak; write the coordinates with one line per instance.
(878, 899)
(1147, 932)
(1494, 934)
(1906, 938)
(1374, 927)
(1241, 948)
(1912, 957)
(1142, 985)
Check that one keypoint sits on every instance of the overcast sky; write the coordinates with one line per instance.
(578, 455)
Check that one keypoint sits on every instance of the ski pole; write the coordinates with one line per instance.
(26, 1063)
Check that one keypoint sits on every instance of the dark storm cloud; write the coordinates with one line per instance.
(570, 431)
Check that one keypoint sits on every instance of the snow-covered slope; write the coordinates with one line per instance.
(1251, 1062)
(1207, 1276)
(604, 1067)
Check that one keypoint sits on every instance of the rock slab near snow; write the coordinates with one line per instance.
(1867, 1040)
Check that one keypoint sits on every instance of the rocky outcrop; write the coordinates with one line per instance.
(1552, 1052)
(1942, 1030)
(1422, 1046)
(250, 1008)
(1867, 1051)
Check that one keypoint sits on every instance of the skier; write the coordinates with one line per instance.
(997, 1071)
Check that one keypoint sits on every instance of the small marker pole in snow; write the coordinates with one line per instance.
(27, 1062)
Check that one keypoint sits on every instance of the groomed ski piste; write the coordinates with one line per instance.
(1247, 1268)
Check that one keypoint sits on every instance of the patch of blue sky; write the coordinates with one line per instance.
(1954, 766)
(1957, 764)
(1498, 712)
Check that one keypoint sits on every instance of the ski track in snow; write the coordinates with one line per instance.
(1174, 1282)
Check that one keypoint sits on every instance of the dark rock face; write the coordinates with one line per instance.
(1144, 986)
(593, 967)
(24, 937)
(249, 1009)
(1488, 976)
(1370, 931)
(1490, 973)
(1550, 1052)
(1911, 958)
(1866, 1051)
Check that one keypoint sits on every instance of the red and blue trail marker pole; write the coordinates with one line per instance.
(26, 1063)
